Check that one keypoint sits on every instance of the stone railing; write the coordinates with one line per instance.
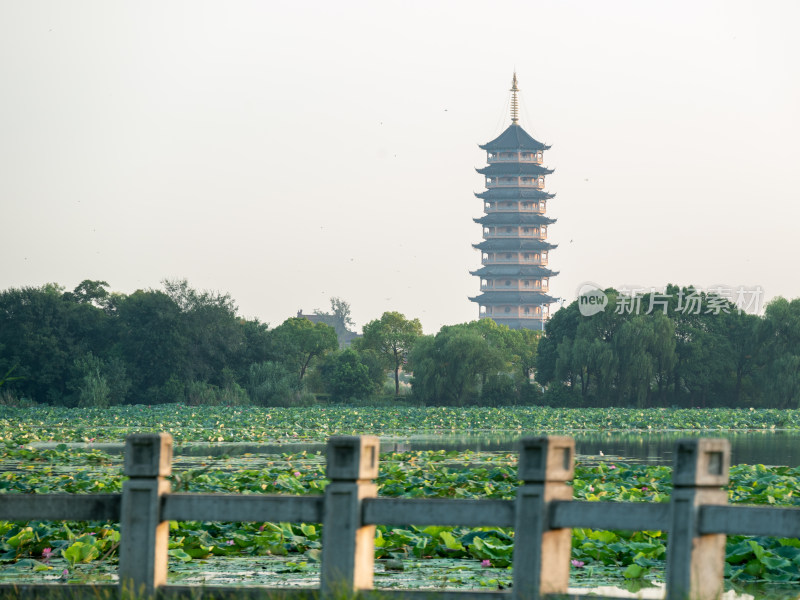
(542, 515)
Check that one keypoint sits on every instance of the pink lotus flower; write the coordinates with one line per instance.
(612, 467)
(486, 562)
(46, 554)
(578, 564)
(297, 473)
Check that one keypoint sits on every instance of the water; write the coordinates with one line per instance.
(747, 447)
(772, 448)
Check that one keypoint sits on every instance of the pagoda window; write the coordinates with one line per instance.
(527, 283)
(527, 310)
(526, 229)
(508, 283)
(538, 283)
(527, 256)
(508, 229)
(508, 309)
(508, 255)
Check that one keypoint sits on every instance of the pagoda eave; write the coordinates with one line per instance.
(514, 193)
(513, 244)
(509, 168)
(496, 271)
(514, 218)
(510, 298)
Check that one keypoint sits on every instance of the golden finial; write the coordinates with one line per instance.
(514, 104)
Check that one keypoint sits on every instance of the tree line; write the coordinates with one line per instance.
(92, 347)
(669, 352)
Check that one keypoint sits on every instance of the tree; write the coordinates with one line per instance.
(213, 332)
(299, 342)
(346, 376)
(781, 376)
(152, 342)
(453, 366)
(35, 339)
(91, 292)
(392, 337)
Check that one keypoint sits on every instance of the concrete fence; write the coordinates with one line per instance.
(542, 515)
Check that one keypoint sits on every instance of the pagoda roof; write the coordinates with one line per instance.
(514, 168)
(514, 138)
(513, 218)
(513, 297)
(514, 193)
(512, 244)
(514, 271)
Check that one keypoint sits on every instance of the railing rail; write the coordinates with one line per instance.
(543, 514)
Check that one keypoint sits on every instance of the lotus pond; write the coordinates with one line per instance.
(282, 554)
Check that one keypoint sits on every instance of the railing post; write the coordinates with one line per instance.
(696, 563)
(541, 555)
(144, 537)
(348, 547)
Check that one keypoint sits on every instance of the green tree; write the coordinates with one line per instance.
(453, 366)
(91, 292)
(299, 342)
(35, 338)
(346, 376)
(152, 342)
(211, 328)
(272, 383)
(781, 375)
(392, 337)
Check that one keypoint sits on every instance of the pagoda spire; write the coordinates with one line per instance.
(514, 102)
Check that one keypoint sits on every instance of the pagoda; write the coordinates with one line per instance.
(514, 251)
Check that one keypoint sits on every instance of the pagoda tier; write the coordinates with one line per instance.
(513, 297)
(502, 169)
(528, 193)
(510, 218)
(499, 271)
(515, 279)
(513, 245)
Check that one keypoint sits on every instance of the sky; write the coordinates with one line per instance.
(287, 152)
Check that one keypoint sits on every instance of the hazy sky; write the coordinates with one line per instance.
(286, 152)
